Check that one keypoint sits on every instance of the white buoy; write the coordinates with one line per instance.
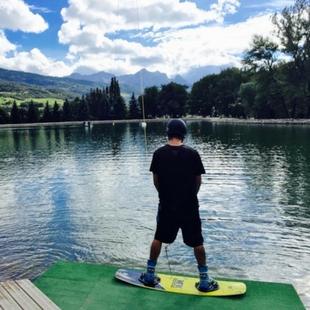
(143, 124)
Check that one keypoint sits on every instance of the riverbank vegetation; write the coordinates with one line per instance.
(273, 83)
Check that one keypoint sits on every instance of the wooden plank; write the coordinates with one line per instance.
(6, 301)
(23, 295)
(41, 299)
(24, 301)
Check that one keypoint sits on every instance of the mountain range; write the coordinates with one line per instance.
(20, 82)
(142, 78)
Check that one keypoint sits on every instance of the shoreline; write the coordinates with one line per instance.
(207, 119)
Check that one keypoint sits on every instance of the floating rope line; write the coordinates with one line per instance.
(166, 251)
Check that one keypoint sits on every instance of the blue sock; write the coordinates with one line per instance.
(151, 264)
(203, 268)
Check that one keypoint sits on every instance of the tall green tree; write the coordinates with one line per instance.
(56, 114)
(15, 114)
(134, 111)
(203, 96)
(150, 102)
(32, 113)
(94, 99)
(262, 55)
(103, 107)
(83, 110)
(173, 99)
(293, 30)
(226, 90)
(74, 105)
(47, 115)
(116, 101)
(247, 95)
(262, 60)
(114, 90)
(120, 108)
(4, 117)
(66, 111)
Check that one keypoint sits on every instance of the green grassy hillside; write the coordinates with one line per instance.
(24, 87)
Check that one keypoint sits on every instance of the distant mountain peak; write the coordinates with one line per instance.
(147, 78)
(180, 80)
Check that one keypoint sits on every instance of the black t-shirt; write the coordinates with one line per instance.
(177, 168)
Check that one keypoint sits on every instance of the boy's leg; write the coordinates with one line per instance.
(155, 249)
(200, 254)
(206, 283)
(149, 277)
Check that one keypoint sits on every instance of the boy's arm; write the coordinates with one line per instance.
(198, 183)
(155, 181)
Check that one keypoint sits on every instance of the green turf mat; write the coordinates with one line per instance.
(74, 286)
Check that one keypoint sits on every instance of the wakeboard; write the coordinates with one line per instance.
(181, 284)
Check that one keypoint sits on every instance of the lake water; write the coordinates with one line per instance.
(86, 194)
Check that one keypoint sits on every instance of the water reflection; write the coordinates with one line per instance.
(85, 194)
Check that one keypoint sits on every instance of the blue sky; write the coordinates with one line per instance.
(190, 38)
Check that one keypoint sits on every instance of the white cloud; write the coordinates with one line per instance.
(16, 15)
(215, 45)
(224, 7)
(89, 26)
(5, 45)
(119, 37)
(157, 14)
(277, 4)
(36, 62)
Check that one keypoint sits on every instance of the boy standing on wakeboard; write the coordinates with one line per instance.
(177, 170)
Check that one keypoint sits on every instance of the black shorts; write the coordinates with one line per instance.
(169, 223)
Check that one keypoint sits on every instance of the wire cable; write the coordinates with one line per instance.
(166, 251)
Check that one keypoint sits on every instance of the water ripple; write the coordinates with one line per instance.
(71, 194)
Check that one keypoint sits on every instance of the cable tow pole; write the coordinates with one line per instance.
(143, 123)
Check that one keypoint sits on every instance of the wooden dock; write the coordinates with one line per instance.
(23, 295)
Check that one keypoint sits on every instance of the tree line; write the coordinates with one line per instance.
(274, 82)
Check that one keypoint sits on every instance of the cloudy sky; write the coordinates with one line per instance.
(190, 38)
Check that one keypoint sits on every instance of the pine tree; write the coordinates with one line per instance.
(134, 111)
(56, 112)
(103, 107)
(47, 115)
(83, 110)
(32, 113)
(120, 108)
(117, 102)
(66, 111)
(4, 117)
(15, 115)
